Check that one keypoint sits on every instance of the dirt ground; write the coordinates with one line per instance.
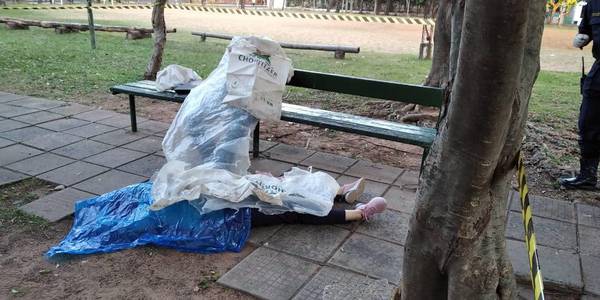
(142, 273)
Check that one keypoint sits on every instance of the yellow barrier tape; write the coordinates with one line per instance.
(298, 15)
(530, 240)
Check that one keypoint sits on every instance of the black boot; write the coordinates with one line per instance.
(586, 180)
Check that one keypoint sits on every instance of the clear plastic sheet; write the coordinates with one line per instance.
(121, 219)
(207, 144)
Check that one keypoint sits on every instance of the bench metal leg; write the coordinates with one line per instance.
(256, 140)
(132, 113)
(423, 158)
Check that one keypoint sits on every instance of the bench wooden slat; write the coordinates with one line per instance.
(388, 130)
(132, 89)
(380, 89)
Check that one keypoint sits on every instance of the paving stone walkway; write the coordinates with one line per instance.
(91, 151)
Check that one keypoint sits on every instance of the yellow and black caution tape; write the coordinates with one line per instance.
(252, 12)
(534, 260)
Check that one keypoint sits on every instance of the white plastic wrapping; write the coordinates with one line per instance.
(174, 75)
(207, 152)
(256, 76)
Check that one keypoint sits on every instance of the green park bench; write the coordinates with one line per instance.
(378, 89)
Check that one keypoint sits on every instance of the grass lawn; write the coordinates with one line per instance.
(40, 63)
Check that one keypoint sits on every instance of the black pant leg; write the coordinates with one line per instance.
(335, 216)
(589, 115)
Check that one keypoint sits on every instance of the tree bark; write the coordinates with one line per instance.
(160, 38)
(332, 4)
(376, 7)
(388, 6)
(455, 247)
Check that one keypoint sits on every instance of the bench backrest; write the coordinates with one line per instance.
(379, 89)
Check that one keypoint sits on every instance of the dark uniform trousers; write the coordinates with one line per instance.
(589, 116)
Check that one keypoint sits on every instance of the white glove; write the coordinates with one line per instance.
(581, 40)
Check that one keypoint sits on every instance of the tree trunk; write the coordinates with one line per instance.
(332, 4)
(160, 38)
(455, 247)
(376, 8)
(242, 4)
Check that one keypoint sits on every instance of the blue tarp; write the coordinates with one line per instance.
(121, 219)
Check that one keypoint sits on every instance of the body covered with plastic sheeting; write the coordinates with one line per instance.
(121, 219)
(207, 145)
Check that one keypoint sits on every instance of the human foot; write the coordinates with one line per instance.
(375, 206)
(352, 191)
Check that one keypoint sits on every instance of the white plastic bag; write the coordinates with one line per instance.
(256, 76)
(174, 75)
(298, 190)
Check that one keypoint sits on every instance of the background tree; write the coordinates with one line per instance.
(160, 38)
(455, 247)
(553, 6)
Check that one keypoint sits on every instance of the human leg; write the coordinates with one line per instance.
(335, 216)
(589, 138)
(350, 192)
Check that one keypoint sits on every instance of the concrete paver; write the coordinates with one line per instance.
(73, 173)
(591, 274)
(9, 111)
(8, 124)
(316, 242)
(329, 162)
(371, 256)
(115, 157)
(588, 215)
(52, 140)
(82, 149)
(148, 144)
(560, 268)
(37, 103)
(4, 142)
(95, 115)
(24, 134)
(10, 176)
(331, 283)
(549, 232)
(39, 164)
(63, 124)
(71, 109)
(375, 171)
(401, 200)
(408, 181)
(38, 117)
(15, 153)
(589, 240)
(90, 130)
(145, 166)
(288, 153)
(118, 137)
(390, 226)
(55, 206)
(109, 181)
(548, 208)
(277, 168)
(269, 274)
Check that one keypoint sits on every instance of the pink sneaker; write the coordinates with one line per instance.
(352, 191)
(375, 206)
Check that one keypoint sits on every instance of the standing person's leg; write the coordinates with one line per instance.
(589, 134)
(335, 216)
